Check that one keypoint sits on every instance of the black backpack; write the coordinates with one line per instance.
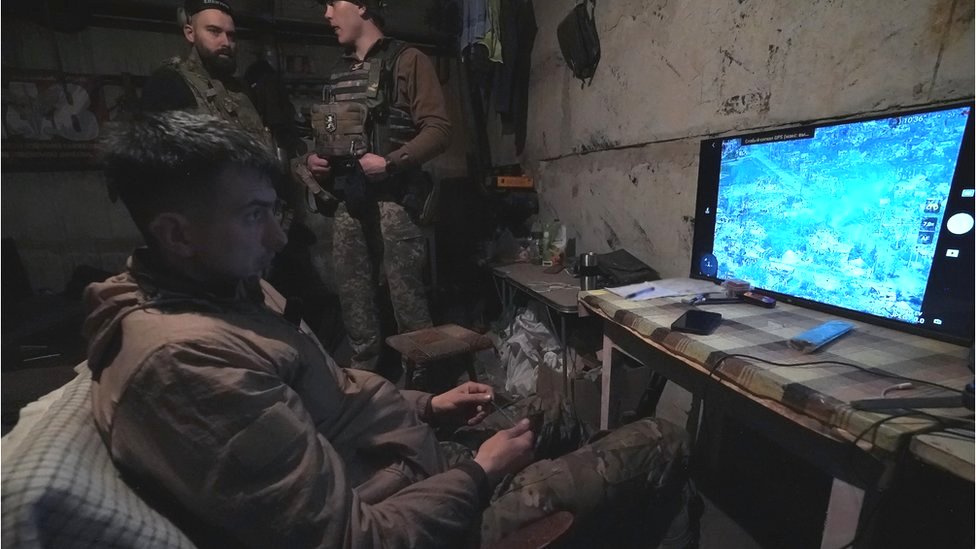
(620, 268)
(579, 41)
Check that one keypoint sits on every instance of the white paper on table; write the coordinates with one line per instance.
(666, 287)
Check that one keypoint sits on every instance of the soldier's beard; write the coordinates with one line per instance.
(221, 63)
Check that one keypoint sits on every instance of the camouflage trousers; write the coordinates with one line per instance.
(385, 246)
(622, 468)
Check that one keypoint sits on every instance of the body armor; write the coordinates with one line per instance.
(358, 115)
(371, 83)
(215, 99)
(235, 106)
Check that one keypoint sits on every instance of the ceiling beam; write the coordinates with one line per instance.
(76, 15)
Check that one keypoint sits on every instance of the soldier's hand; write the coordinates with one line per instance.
(318, 166)
(509, 451)
(374, 166)
(467, 402)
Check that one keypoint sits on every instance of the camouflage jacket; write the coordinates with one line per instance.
(243, 421)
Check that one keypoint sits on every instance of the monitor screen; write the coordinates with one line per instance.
(870, 218)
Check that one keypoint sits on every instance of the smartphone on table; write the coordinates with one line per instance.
(698, 322)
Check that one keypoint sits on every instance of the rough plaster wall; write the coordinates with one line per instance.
(618, 160)
(64, 219)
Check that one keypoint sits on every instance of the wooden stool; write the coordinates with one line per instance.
(541, 534)
(436, 343)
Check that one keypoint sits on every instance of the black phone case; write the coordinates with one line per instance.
(697, 322)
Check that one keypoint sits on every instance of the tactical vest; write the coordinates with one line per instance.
(215, 99)
(373, 83)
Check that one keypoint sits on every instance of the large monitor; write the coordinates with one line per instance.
(870, 218)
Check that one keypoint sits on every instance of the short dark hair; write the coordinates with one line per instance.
(172, 160)
(375, 10)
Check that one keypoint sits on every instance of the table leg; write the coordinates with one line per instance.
(508, 302)
(606, 385)
(511, 296)
(499, 285)
(565, 344)
(843, 510)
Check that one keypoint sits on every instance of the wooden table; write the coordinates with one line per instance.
(950, 453)
(804, 409)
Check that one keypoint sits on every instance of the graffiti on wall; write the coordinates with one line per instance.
(55, 122)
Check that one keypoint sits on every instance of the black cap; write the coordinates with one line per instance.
(193, 7)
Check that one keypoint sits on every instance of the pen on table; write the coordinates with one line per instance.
(642, 291)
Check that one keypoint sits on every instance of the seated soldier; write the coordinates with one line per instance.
(233, 420)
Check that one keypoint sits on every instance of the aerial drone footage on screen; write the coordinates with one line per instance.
(849, 214)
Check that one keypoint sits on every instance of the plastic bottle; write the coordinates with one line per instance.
(557, 242)
(546, 254)
(536, 235)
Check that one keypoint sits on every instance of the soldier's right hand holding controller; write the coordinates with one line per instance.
(509, 451)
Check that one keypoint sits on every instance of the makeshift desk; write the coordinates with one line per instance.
(803, 409)
(946, 452)
(559, 292)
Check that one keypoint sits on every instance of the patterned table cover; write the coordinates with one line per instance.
(822, 393)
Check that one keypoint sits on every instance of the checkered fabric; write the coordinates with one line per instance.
(61, 490)
(436, 343)
(818, 392)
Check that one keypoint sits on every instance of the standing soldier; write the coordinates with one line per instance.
(383, 119)
(203, 81)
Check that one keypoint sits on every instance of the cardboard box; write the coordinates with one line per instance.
(630, 380)
(549, 384)
(514, 182)
(586, 399)
(584, 388)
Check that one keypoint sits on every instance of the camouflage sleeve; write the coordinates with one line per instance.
(238, 450)
(420, 91)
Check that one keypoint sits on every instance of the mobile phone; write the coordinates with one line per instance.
(697, 322)
(759, 299)
(536, 421)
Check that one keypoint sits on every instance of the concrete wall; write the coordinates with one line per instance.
(63, 219)
(618, 160)
(60, 220)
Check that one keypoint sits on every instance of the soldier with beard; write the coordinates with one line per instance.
(203, 81)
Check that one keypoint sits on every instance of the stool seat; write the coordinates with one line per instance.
(437, 342)
(420, 347)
